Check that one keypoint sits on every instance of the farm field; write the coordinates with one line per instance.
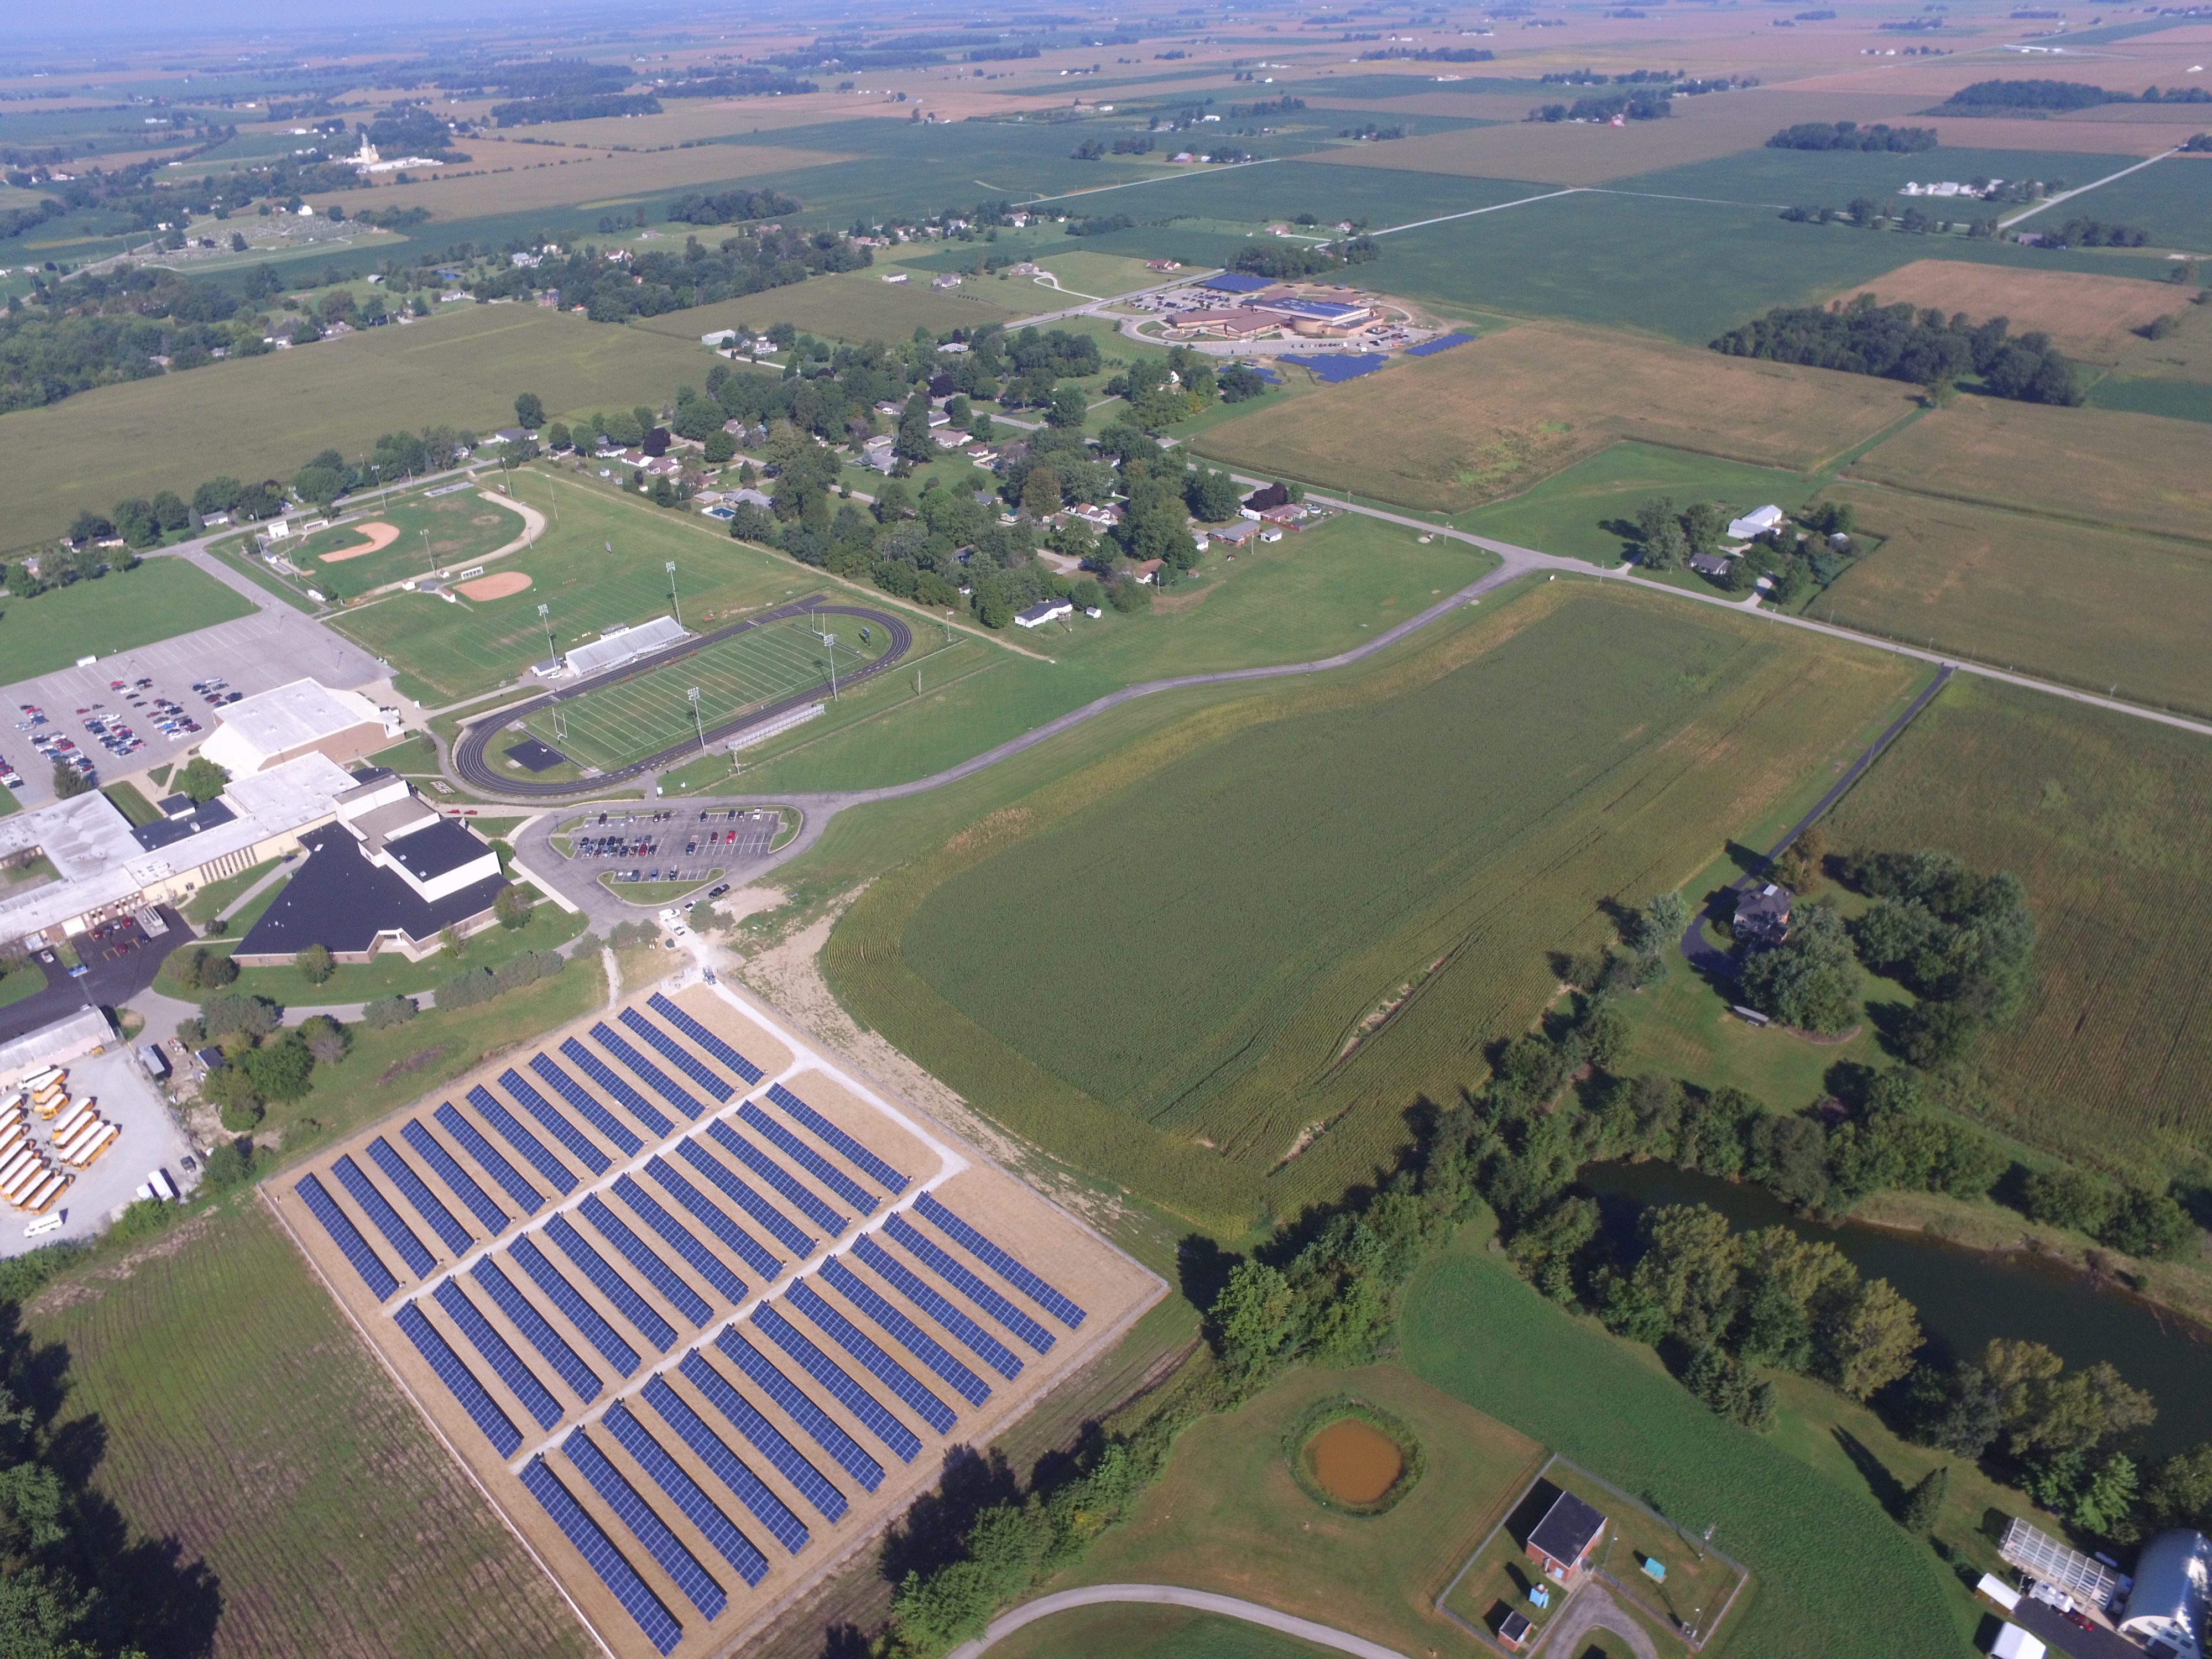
(509, 178)
(856, 306)
(1755, 173)
(1489, 420)
(1141, 1632)
(1569, 512)
(1243, 1040)
(417, 534)
(2173, 201)
(158, 600)
(2089, 607)
(2091, 318)
(284, 1458)
(2100, 816)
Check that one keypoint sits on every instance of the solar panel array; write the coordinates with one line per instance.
(689, 1497)
(599, 1553)
(635, 1251)
(872, 1359)
(601, 1073)
(763, 1260)
(611, 1284)
(458, 1182)
(488, 1160)
(904, 1332)
(917, 1289)
(820, 1426)
(532, 1150)
(765, 1437)
(705, 1038)
(807, 1158)
(851, 1150)
(681, 1239)
(998, 1261)
(903, 1443)
(553, 1121)
(729, 1468)
(655, 1080)
(386, 1219)
(583, 1381)
(420, 1199)
(1429, 348)
(677, 1054)
(742, 1193)
(438, 1353)
(787, 1185)
(506, 1365)
(649, 1529)
(347, 1236)
(948, 1267)
(574, 1309)
(580, 1097)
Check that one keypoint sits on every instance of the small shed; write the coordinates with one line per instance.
(2013, 1643)
(1564, 1540)
(1513, 1634)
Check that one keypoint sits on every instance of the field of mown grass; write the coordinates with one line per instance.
(1142, 1633)
(2110, 1060)
(284, 1456)
(1155, 968)
(158, 600)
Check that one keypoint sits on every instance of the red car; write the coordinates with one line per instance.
(2075, 1616)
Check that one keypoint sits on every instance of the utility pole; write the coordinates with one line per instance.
(673, 605)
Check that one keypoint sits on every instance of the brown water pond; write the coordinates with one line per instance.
(1354, 1461)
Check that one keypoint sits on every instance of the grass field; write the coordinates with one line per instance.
(461, 528)
(1142, 1633)
(158, 600)
(1095, 1007)
(283, 1457)
(1489, 420)
(2109, 1060)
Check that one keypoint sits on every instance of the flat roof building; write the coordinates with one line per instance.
(261, 732)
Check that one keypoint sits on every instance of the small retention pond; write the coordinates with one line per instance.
(1967, 1297)
(1355, 1462)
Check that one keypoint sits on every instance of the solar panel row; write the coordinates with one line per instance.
(593, 1114)
(689, 1497)
(787, 1529)
(383, 1217)
(425, 1203)
(766, 1438)
(655, 1080)
(552, 1347)
(458, 1182)
(347, 1236)
(917, 1289)
(872, 1359)
(635, 1250)
(741, 1192)
(763, 1261)
(681, 1239)
(533, 1150)
(630, 1101)
(600, 1554)
(483, 1410)
(705, 1038)
(553, 1121)
(903, 1331)
(948, 1267)
(837, 1140)
(874, 1416)
(506, 1365)
(677, 1054)
(818, 1425)
(647, 1526)
(807, 1158)
(487, 1159)
(574, 1309)
(998, 1261)
(801, 1197)
(611, 1284)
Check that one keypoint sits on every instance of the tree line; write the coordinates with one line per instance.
(2003, 97)
(1850, 134)
(1925, 349)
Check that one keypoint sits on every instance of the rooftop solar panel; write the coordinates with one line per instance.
(787, 1529)
(691, 1498)
(506, 1365)
(784, 1457)
(677, 1054)
(705, 1038)
(874, 1416)
(347, 1236)
(649, 1529)
(655, 1080)
(702, 1209)
(533, 1150)
(635, 1251)
(554, 1122)
(573, 1308)
(837, 1140)
(599, 1552)
(383, 1217)
(999, 1262)
(611, 1284)
(904, 1332)
(925, 1295)
(792, 1400)
(628, 1098)
(793, 1190)
(505, 1175)
(458, 1182)
(1235, 282)
(948, 1268)
(440, 1220)
(681, 1239)
(807, 1158)
(741, 1192)
(872, 1359)
(568, 1365)
(483, 1410)
(592, 1113)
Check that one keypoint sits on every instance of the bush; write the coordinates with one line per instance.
(2067, 1198)
(196, 968)
(281, 1071)
(232, 1018)
(384, 1013)
(230, 1164)
(315, 964)
(232, 1091)
(512, 907)
(2147, 1224)
(325, 1039)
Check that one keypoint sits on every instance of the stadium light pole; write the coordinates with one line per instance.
(697, 724)
(674, 603)
(545, 616)
(426, 555)
(830, 640)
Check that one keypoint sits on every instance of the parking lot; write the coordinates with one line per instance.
(665, 847)
(149, 1140)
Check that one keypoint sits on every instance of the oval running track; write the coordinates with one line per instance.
(1174, 1595)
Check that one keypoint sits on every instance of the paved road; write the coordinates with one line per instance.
(1593, 1609)
(1174, 1595)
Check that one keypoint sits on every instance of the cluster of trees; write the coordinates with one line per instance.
(264, 1059)
(1099, 224)
(2134, 1221)
(474, 985)
(407, 128)
(1647, 104)
(1283, 106)
(1927, 349)
(731, 207)
(577, 106)
(2089, 233)
(1960, 941)
(655, 283)
(1285, 261)
(1850, 134)
(1870, 214)
(754, 81)
(1431, 55)
(100, 329)
(2006, 97)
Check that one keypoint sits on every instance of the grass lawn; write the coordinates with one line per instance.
(7, 802)
(238, 557)
(208, 903)
(25, 979)
(1142, 1633)
(132, 804)
(162, 598)
(649, 893)
(390, 973)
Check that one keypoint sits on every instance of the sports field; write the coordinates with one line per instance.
(158, 600)
(405, 538)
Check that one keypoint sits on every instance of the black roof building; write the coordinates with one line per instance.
(342, 902)
(1565, 1535)
(1762, 916)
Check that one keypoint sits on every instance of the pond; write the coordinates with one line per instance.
(1355, 1462)
(1966, 1297)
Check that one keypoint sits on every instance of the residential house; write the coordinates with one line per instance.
(1708, 564)
(1042, 611)
(1762, 916)
(1101, 519)
(944, 280)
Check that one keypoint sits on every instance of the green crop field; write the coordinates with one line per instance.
(1262, 883)
(2173, 201)
(2110, 1060)
(1142, 1633)
(1832, 177)
(450, 532)
(283, 1457)
(158, 600)
(1569, 512)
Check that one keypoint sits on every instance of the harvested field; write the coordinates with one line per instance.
(2088, 316)
(509, 178)
(498, 586)
(2091, 466)
(377, 537)
(1491, 419)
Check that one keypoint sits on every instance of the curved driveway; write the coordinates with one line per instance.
(1174, 1595)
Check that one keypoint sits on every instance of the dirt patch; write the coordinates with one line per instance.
(380, 536)
(497, 585)
(87, 1287)
(414, 1062)
(2085, 316)
(1354, 1462)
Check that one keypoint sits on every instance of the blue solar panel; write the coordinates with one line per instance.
(483, 1410)
(458, 1182)
(741, 1192)
(628, 1098)
(593, 1114)
(677, 1054)
(419, 1195)
(347, 1236)
(554, 1122)
(780, 1452)
(820, 1426)
(609, 1284)
(762, 1259)
(1266, 373)
(837, 1140)
(649, 1529)
(386, 1219)
(599, 1552)
(903, 1331)
(1235, 282)
(1335, 369)
(916, 1289)
(655, 1080)
(999, 1262)
(792, 1188)
(681, 1239)
(874, 1360)
(574, 1309)
(1429, 348)
(688, 1497)
(948, 1267)
(488, 1160)
(635, 1251)
(532, 1149)
(872, 1412)
(583, 1381)
(506, 1365)
(705, 1038)
(807, 1158)
(787, 1529)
